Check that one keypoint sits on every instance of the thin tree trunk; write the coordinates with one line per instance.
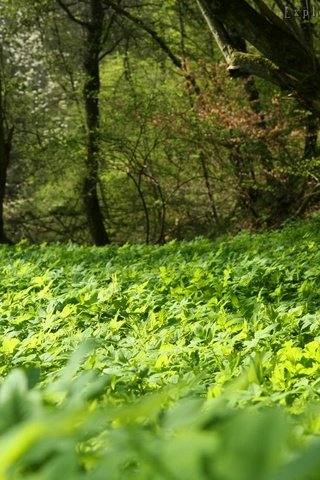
(213, 210)
(137, 184)
(91, 92)
(311, 136)
(5, 146)
(312, 121)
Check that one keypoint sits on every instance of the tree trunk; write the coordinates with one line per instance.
(311, 136)
(286, 54)
(5, 145)
(91, 92)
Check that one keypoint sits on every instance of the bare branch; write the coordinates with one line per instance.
(108, 29)
(71, 16)
(111, 49)
(218, 32)
(156, 37)
(177, 61)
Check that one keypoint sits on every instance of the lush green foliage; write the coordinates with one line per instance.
(184, 150)
(154, 362)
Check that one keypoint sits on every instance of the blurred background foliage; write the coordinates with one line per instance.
(182, 149)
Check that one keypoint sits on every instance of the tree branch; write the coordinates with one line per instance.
(71, 16)
(218, 31)
(264, 68)
(159, 40)
(177, 61)
(276, 43)
(111, 49)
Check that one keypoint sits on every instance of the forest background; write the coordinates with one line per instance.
(123, 121)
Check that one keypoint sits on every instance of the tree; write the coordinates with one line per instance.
(94, 28)
(5, 147)
(6, 135)
(284, 48)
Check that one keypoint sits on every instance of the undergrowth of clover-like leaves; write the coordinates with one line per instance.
(194, 360)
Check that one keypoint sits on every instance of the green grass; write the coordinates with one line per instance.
(194, 360)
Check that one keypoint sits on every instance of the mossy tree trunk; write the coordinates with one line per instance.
(285, 54)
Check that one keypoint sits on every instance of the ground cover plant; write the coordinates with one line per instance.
(194, 360)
